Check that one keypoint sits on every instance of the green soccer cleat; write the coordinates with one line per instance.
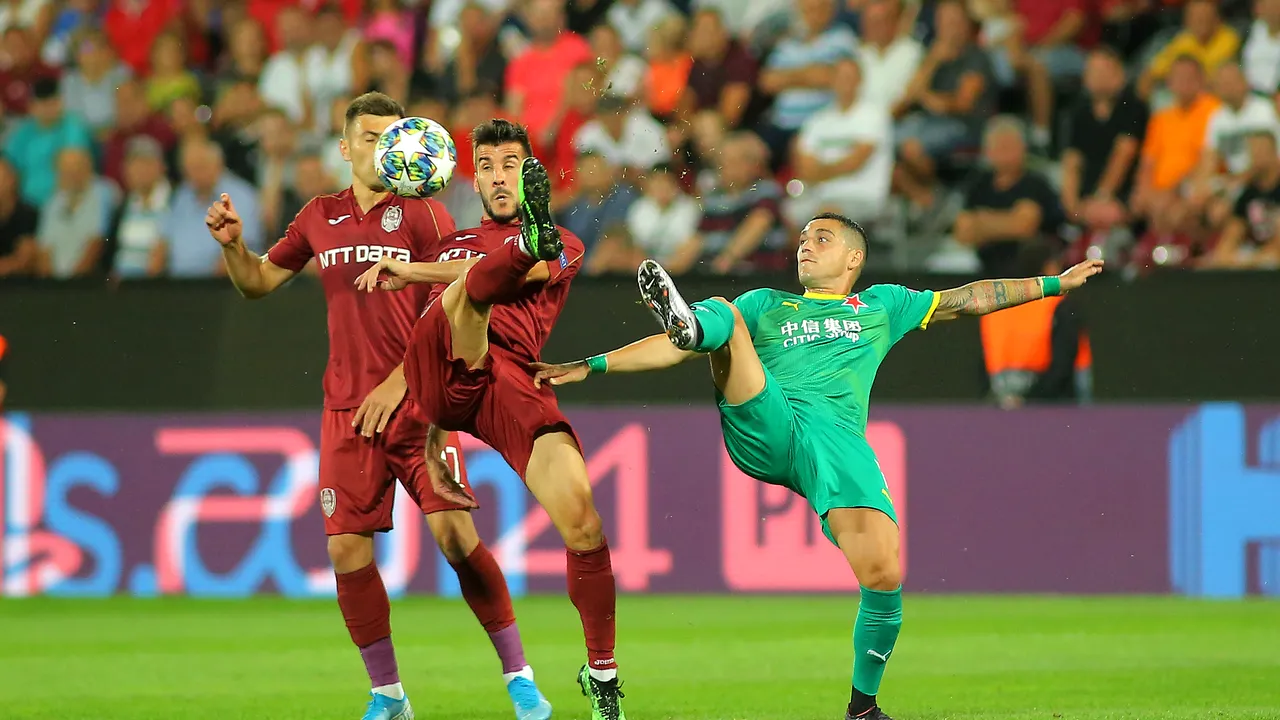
(604, 696)
(537, 226)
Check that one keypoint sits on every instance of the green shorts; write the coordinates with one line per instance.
(830, 466)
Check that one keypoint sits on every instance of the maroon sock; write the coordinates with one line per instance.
(484, 587)
(499, 276)
(592, 591)
(367, 610)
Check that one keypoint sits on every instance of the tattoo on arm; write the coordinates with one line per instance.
(988, 296)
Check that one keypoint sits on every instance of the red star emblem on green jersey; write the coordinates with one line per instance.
(855, 302)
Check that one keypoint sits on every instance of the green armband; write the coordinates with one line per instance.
(598, 364)
(1051, 285)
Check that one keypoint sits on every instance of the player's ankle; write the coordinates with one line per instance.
(607, 675)
(525, 672)
(395, 691)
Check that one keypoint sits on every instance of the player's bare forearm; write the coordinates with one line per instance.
(987, 296)
(244, 267)
(432, 273)
(652, 353)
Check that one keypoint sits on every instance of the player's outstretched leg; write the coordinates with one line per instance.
(499, 276)
(484, 587)
(557, 476)
(869, 540)
(367, 611)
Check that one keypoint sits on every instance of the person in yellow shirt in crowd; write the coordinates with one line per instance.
(1204, 37)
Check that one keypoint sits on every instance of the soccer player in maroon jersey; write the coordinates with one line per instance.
(369, 436)
(498, 289)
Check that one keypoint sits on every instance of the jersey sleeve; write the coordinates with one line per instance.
(752, 304)
(565, 267)
(292, 252)
(908, 309)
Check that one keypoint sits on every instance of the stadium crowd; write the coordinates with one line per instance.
(699, 132)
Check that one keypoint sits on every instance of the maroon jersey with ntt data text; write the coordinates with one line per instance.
(368, 332)
(521, 327)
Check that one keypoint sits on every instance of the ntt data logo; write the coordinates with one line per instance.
(1224, 509)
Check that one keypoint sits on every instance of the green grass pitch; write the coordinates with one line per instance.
(692, 658)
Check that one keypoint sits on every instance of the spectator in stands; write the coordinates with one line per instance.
(478, 65)
(276, 169)
(18, 223)
(633, 19)
(1261, 56)
(798, 72)
(1225, 162)
(135, 234)
(233, 127)
(577, 108)
(1204, 38)
(246, 56)
(134, 25)
(71, 21)
(1007, 206)
(188, 252)
(723, 72)
(658, 223)
(741, 228)
(599, 209)
(889, 58)
(624, 71)
(72, 221)
(309, 180)
(390, 22)
(20, 71)
(133, 118)
(1039, 351)
(626, 137)
(337, 166)
(535, 79)
(285, 82)
(667, 75)
(844, 153)
(1104, 133)
(169, 78)
(35, 15)
(1251, 238)
(950, 98)
(386, 73)
(460, 197)
(707, 136)
(36, 141)
(1005, 35)
(746, 19)
(1171, 151)
(89, 90)
(334, 67)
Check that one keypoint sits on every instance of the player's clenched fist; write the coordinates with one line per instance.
(223, 221)
(561, 374)
(1079, 274)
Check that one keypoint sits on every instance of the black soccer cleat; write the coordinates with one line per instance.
(605, 696)
(537, 226)
(663, 299)
(874, 713)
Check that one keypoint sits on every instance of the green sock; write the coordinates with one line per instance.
(715, 325)
(874, 633)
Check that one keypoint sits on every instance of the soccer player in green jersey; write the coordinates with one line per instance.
(793, 375)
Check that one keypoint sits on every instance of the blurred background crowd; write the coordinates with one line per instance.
(993, 137)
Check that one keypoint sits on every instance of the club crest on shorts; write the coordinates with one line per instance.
(328, 501)
(391, 218)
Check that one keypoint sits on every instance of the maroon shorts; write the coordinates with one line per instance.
(497, 402)
(358, 474)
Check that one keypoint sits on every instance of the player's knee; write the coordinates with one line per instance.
(350, 552)
(880, 574)
(455, 534)
(580, 526)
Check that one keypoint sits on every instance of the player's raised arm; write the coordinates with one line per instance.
(253, 275)
(988, 296)
(652, 353)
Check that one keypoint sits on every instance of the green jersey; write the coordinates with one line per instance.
(824, 350)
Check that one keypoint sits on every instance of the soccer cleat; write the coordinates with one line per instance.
(874, 713)
(537, 226)
(664, 301)
(604, 696)
(528, 700)
(381, 707)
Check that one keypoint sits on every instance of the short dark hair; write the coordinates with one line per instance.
(499, 132)
(848, 224)
(1189, 58)
(375, 104)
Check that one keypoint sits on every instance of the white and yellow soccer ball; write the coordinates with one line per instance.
(415, 157)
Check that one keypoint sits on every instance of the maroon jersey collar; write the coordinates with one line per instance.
(489, 223)
(358, 214)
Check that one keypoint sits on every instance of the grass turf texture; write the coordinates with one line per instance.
(703, 658)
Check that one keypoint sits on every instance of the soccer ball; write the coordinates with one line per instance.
(415, 157)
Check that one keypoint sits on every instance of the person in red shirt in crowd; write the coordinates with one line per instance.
(23, 70)
(577, 107)
(133, 118)
(536, 77)
(134, 25)
(371, 434)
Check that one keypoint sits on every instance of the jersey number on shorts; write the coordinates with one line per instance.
(450, 457)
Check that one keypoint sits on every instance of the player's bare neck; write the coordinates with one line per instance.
(366, 198)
